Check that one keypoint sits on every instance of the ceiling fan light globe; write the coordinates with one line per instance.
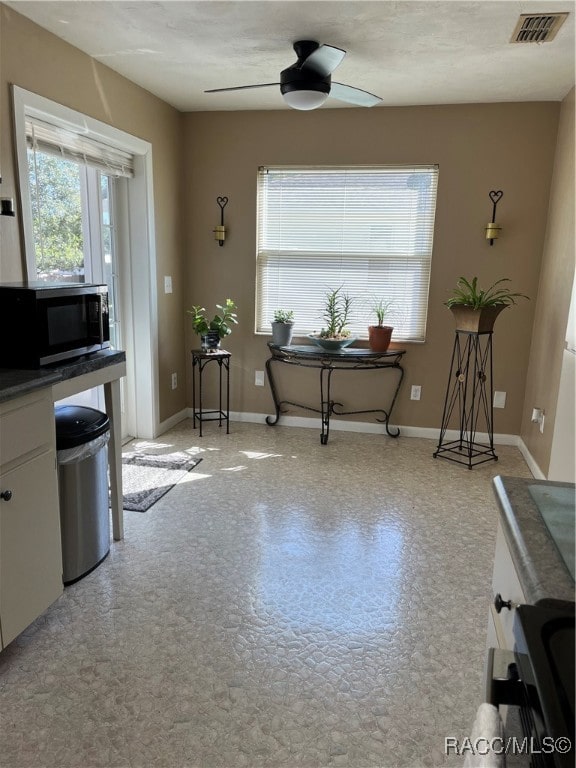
(305, 100)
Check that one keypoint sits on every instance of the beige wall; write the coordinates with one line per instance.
(40, 62)
(477, 147)
(553, 301)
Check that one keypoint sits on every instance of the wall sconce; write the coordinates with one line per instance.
(220, 231)
(492, 229)
(6, 206)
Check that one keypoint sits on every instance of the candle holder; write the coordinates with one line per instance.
(220, 230)
(492, 229)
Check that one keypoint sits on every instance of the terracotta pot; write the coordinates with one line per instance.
(379, 337)
(476, 320)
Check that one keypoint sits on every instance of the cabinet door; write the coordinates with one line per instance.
(505, 582)
(30, 546)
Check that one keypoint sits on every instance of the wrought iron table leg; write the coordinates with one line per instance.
(200, 368)
(389, 414)
(325, 403)
(193, 392)
(227, 364)
(272, 421)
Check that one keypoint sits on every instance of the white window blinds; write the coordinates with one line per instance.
(369, 230)
(71, 145)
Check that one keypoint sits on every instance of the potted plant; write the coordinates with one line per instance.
(212, 331)
(282, 326)
(379, 335)
(475, 310)
(337, 308)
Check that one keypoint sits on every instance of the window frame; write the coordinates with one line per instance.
(386, 257)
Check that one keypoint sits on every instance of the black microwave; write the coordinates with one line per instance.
(45, 323)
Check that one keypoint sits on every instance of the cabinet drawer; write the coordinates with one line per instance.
(26, 426)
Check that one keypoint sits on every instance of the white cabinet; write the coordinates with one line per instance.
(30, 544)
(505, 582)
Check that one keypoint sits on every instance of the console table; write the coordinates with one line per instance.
(200, 359)
(349, 358)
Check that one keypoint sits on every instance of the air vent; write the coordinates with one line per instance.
(537, 27)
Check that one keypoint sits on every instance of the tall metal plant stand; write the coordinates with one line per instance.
(469, 395)
(200, 359)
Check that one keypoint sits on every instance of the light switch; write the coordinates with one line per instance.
(167, 284)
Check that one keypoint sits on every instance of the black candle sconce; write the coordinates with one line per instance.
(7, 206)
(492, 229)
(220, 230)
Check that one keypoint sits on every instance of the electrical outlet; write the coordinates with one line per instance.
(415, 392)
(499, 399)
(168, 287)
(174, 381)
(259, 378)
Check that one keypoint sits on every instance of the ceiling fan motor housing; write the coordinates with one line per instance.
(299, 77)
(293, 79)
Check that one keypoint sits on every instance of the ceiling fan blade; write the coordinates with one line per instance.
(324, 60)
(353, 95)
(240, 87)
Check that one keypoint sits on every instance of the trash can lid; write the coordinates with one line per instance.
(76, 425)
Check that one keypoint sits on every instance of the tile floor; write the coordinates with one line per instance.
(287, 604)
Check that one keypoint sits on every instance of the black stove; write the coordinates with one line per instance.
(544, 635)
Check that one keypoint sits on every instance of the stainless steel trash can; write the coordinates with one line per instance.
(82, 436)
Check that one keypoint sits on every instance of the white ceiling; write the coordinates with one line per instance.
(427, 52)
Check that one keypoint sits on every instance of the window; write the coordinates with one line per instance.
(367, 229)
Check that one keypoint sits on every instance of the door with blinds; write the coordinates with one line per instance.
(73, 183)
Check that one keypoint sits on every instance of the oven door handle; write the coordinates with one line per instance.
(503, 684)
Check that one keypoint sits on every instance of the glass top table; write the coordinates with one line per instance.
(328, 361)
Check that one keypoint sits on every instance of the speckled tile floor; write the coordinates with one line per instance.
(286, 604)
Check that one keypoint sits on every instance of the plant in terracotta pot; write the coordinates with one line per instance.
(475, 310)
(335, 335)
(379, 335)
(213, 331)
(282, 327)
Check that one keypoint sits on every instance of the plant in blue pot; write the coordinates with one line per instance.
(212, 331)
(335, 335)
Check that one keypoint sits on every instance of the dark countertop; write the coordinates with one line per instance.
(541, 569)
(16, 382)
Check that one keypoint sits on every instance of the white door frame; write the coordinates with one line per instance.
(141, 310)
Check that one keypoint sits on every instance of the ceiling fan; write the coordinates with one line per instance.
(308, 83)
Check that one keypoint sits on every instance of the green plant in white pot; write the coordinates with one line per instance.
(475, 309)
(282, 327)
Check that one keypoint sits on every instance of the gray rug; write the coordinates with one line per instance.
(147, 477)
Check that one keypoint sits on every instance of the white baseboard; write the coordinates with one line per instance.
(341, 425)
(171, 421)
(529, 459)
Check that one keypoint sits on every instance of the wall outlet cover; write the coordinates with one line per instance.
(259, 378)
(415, 392)
(499, 399)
